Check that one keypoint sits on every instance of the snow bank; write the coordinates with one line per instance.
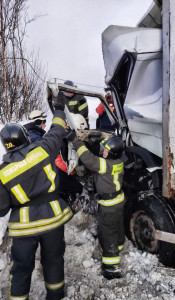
(144, 277)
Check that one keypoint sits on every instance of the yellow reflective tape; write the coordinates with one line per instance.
(31, 231)
(106, 146)
(18, 297)
(118, 168)
(73, 103)
(112, 202)
(19, 193)
(81, 107)
(103, 141)
(59, 121)
(54, 286)
(56, 207)
(110, 260)
(116, 182)
(24, 214)
(102, 165)
(38, 223)
(81, 150)
(51, 176)
(15, 169)
(120, 247)
(10, 278)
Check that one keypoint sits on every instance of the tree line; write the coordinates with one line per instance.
(21, 74)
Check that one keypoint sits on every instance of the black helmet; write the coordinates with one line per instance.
(70, 83)
(14, 137)
(114, 145)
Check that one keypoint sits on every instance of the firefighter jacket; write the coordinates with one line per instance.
(78, 105)
(108, 175)
(29, 185)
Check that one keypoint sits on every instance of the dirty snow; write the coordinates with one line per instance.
(145, 278)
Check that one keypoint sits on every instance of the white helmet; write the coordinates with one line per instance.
(79, 120)
(37, 115)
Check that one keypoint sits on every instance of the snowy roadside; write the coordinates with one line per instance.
(145, 278)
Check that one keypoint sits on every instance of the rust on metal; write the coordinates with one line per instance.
(169, 171)
(171, 191)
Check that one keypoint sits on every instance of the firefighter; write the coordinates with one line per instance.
(76, 103)
(36, 125)
(103, 121)
(108, 178)
(29, 187)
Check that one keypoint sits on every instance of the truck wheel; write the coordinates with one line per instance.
(149, 212)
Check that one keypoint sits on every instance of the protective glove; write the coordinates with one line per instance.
(71, 135)
(59, 103)
(95, 137)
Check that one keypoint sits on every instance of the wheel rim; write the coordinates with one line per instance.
(143, 232)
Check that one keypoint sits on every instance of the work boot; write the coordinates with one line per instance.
(111, 271)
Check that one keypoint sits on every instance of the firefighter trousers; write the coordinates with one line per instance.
(52, 247)
(111, 233)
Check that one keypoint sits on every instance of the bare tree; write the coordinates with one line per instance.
(21, 86)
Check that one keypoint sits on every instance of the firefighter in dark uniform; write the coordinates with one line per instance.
(108, 178)
(29, 187)
(77, 104)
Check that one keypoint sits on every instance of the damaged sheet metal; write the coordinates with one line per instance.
(118, 39)
(143, 99)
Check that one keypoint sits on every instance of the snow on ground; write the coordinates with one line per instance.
(144, 277)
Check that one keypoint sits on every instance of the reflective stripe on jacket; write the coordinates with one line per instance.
(108, 173)
(78, 105)
(29, 185)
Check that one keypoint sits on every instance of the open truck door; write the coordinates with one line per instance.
(91, 137)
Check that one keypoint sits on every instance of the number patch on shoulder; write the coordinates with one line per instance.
(9, 145)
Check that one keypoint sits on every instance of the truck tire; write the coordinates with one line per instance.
(148, 212)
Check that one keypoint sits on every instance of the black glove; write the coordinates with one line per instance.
(60, 101)
(71, 135)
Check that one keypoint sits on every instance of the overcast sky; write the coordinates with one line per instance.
(68, 37)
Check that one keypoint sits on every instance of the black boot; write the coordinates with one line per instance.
(111, 271)
(55, 296)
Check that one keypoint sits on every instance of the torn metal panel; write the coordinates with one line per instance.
(153, 17)
(143, 97)
(116, 40)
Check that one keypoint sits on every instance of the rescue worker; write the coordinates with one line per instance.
(108, 178)
(36, 125)
(76, 103)
(103, 121)
(29, 187)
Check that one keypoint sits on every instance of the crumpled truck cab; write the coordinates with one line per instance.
(133, 63)
(133, 59)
